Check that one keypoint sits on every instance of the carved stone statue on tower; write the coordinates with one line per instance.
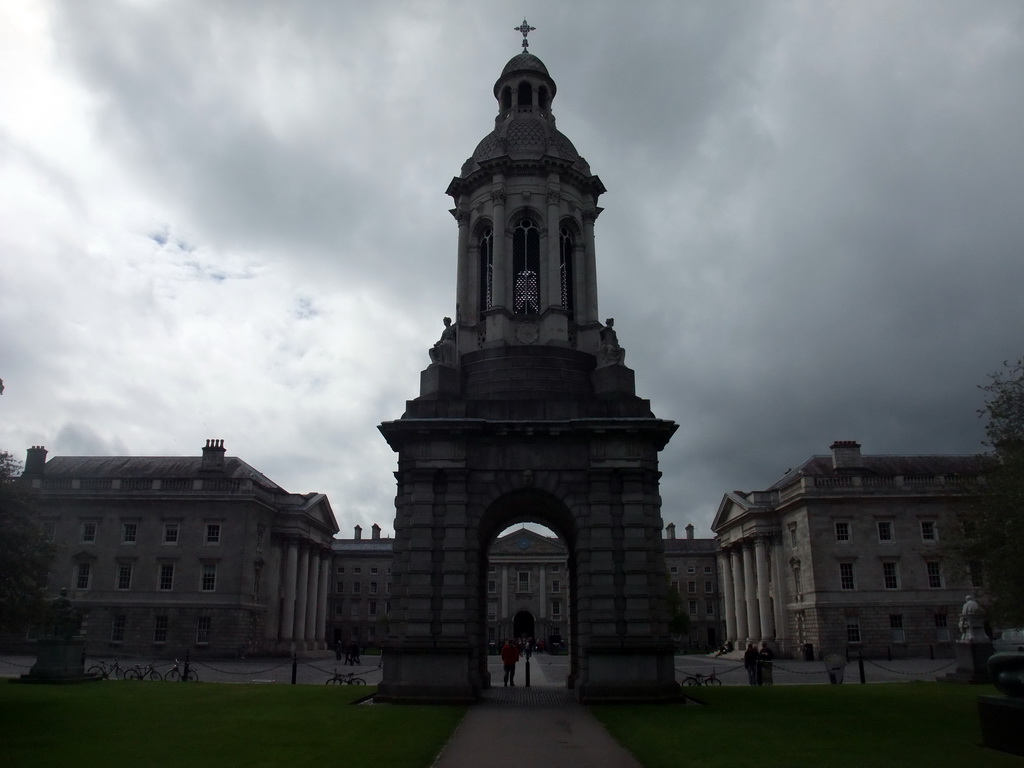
(443, 351)
(610, 353)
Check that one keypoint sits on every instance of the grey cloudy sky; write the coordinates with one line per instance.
(228, 220)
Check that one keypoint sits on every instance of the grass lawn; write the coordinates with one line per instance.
(823, 726)
(114, 723)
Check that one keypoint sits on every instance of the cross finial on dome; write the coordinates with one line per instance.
(525, 29)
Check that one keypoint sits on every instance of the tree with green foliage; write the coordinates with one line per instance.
(25, 552)
(988, 543)
(678, 619)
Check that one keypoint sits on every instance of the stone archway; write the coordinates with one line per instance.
(523, 624)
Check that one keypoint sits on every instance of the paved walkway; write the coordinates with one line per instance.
(541, 726)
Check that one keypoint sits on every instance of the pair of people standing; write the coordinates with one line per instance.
(754, 661)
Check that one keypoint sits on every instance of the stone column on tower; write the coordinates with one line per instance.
(750, 592)
(739, 601)
(763, 597)
(291, 568)
(725, 567)
(301, 591)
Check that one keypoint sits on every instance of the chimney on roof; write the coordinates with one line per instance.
(689, 530)
(35, 459)
(359, 532)
(846, 454)
(670, 531)
(213, 456)
(375, 532)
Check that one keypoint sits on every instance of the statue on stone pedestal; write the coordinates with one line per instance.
(972, 623)
(443, 351)
(610, 353)
(64, 619)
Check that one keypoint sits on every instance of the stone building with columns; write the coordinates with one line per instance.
(843, 554)
(165, 555)
(360, 593)
(693, 573)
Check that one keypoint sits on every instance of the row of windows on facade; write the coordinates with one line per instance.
(165, 579)
(890, 575)
(356, 587)
(523, 584)
(885, 529)
(555, 613)
(171, 534)
(897, 630)
(690, 570)
(356, 608)
(691, 587)
(161, 625)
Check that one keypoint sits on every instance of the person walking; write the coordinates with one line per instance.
(764, 664)
(509, 657)
(750, 663)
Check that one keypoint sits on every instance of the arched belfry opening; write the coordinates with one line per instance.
(527, 413)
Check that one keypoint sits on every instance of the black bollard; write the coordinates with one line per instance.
(860, 666)
(527, 671)
(184, 674)
(295, 666)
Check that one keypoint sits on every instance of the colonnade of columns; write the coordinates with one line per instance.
(307, 573)
(751, 613)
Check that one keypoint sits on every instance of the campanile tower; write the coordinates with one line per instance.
(527, 412)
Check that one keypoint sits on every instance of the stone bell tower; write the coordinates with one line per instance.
(527, 412)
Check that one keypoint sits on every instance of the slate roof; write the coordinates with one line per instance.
(690, 546)
(151, 467)
(885, 466)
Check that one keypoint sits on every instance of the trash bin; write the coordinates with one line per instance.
(764, 671)
(835, 666)
(808, 652)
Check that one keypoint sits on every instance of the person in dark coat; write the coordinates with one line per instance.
(750, 663)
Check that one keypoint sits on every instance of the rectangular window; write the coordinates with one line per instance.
(941, 628)
(492, 586)
(556, 586)
(691, 587)
(373, 587)
(213, 533)
(524, 581)
(339, 609)
(160, 629)
(341, 569)
(674, 569)
(556, 609)
(259, 539)
(707, 569)
(692, 608)
(842, 531)
(373, 571)
(129, 533)
(117, 629)
(170, 533)
(356, 587)
(885, 530)
(896, 628)
(88, 532)
(492, 569)
(691, 569)
(675, 586)
(340, 587)
(846, 580)
(890, 576)
(792, 536)
(934, 574)
(929, 532)
(852, 630)
(709, 607)
(83, 577)
(166, 577)
(709, 587)
(124, 576)
(209, 578)
(357, 569)
(203, 630)
(554, 569)
(372, 605)
(354, 614)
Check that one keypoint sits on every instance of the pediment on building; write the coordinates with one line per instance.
(732, 508)
(527, 542)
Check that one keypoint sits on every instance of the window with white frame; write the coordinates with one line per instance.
(556, 609)
(160, 628)
(709, 607)
(129, 533)
(117, 629)
(792, 536)
(357, 569)
(941, 628)
(373, 571)
(896, 634)
(842, 531)
(846, 579)
(340, 587)
(259, 538)
(524, 581)
(373, 587)
(852, 629)
(171, 531)
(124, 576)
(83, 576)
(357, 587)
(885, 531)
(556, 586)
(339, 608)
(692, 608)
(691, 587)
(934, 574)
(166, 581)
(709, 587)
(213, 533)
(674, 585)
(691, 569)
(707, 569)
(372, 607)
(890, 575)
(673, 569)
(929, 531)
(203, 630)
(89, 528)
(208, 582)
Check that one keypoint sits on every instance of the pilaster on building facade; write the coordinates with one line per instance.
(165, 555)
(842, 555)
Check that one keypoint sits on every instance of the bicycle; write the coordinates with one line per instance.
(106, 669)
(346, 679)
(698, 679)
(179, 671)
(139, 672)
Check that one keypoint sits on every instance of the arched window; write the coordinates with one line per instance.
(526, 267)
(486, 269)
(542, 97)
(565, 250)
(525, 94)
(506, 98)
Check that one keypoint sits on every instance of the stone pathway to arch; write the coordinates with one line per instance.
(539, 726)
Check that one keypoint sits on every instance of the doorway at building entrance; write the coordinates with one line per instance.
(522, 625)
